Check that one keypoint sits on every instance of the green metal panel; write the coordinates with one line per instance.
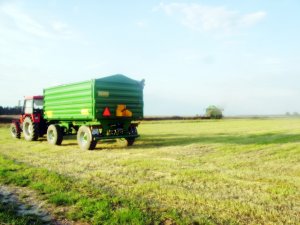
(118, 90)
(86, 101)
(69, 102)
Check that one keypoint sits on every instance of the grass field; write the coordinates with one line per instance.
(243, 171)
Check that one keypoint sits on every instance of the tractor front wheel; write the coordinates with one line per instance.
(15, 130)
(54, 134)
(30, 130)
(85, 138)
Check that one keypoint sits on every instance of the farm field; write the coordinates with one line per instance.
(231, 171)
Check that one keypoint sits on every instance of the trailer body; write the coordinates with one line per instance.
(87, 101)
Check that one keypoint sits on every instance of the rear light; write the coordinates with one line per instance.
(106, 112)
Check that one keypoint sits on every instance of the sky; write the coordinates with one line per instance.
(242, 56)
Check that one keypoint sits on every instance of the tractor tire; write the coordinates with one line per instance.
(85, 138)
(15, 130)
(30, 129)
(132, 131)
(54, 134)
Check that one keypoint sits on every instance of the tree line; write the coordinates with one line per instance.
(10, 110)
(212, 111)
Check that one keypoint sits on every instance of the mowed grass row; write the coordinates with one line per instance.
(211, 172)
(72, 199)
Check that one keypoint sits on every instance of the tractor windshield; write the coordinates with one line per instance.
(38, 104)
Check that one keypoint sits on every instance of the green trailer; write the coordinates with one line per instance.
(104, 108)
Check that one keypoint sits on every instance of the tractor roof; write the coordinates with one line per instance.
(34, 97)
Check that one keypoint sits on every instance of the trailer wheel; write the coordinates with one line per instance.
(130, 141)
(30, 129)
(15, 130)
(54, 134)
(132, 131)
(85, 139)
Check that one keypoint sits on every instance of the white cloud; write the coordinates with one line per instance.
(271, 61)
(252, 18)
(61, 28)
(26, 23)
(141, 24)
(211, 18)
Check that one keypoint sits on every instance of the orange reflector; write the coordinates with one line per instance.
(106, 112)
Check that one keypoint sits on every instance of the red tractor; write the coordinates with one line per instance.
(31, 120)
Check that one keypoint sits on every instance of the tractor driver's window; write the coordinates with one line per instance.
(38, 104)
(28, 107)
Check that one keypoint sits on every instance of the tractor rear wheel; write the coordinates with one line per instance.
(30, 129)
(54, 134)
(85, 138)
(15, 130)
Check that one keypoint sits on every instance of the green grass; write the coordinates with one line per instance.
(243, 171)
(86, 203)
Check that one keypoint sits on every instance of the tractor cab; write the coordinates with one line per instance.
(33, 105)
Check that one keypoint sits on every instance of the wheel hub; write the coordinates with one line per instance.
(51, 135)
(27, 128)
(83, 137)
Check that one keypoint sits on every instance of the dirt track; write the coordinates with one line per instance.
(25, 202)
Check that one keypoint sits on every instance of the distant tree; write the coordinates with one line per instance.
(295, 114)
(288, 114)
(214, 112)
(10, 110)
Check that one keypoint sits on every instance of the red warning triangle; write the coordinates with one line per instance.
(106, 112)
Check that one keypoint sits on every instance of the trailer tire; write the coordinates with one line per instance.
(15, 130)
(133, 131)
(54, 134)
(130, 141)
(30, 129)
(85, 138)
